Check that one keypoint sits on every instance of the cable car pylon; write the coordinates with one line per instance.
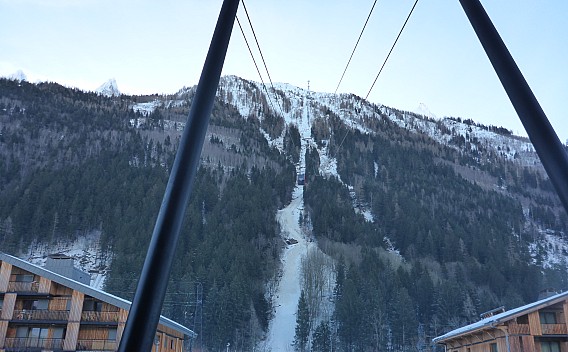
(144, 314)
(546, 143)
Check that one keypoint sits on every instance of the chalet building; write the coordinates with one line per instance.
(43, 310)
(537, 327)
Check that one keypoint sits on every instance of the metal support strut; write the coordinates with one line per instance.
(548, 147)
(145, 311)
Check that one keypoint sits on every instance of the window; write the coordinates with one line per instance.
(25, 332)
(523, 319)
(22, 332)
(38, 333)
(59, 333)
(92, 306)
(111, 334)
(550, 346)
(547, 317)
(493, 348)
(24, 278)
(41, 304)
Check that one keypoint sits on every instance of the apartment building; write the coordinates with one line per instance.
(537, 327)
(46, 310)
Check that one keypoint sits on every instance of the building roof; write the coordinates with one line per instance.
(88, 290)
(502, 317)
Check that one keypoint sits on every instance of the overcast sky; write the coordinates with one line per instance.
(160, 46)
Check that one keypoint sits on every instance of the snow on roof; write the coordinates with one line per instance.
(87, 290)
(501, 317)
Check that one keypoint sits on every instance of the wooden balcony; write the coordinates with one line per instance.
(519, 329)
(554, 329)
(16, 286)
(25, 343)
(104, 317)
(96, 345)
(41, 314)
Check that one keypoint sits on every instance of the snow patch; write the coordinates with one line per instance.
(146, 108)
(551, 250)
(86, 251)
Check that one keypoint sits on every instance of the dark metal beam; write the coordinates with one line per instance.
(548, 147)
(145, 311)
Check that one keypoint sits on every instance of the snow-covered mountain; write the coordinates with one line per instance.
(109, 89)
(484, 143)
(463, 171)
(18, 76)
(300, 107)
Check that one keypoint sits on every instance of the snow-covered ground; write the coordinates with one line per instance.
(550, 250)
(281, 331)
(282, 327)
(146, 108)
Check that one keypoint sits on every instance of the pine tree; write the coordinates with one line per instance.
(302, 331)
(322, 338)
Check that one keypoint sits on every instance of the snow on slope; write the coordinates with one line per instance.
(282, 327)
(177, 100)
(86, 250)
(355, 112)
(551, 250)
(446, 129)
(146, 108)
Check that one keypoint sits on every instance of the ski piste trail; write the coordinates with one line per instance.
(282, 327)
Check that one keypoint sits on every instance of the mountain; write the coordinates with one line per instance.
(18, 76)
(414, 224)
(423, 110)
(109, 89)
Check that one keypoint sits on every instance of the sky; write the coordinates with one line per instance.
(160, 46)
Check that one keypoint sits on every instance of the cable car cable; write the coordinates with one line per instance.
(255, 64)
(353, 52)
(396, 40)
(261, 55)
(258, 71)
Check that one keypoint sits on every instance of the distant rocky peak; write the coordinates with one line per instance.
(109, 88)
(18, 76)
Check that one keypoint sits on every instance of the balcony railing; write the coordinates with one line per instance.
(96, 345)
(554, 329)
(16, 286)
(106, 317)
(523, 329)
(41, 314)
(33, 342)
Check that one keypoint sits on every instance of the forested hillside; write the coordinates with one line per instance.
(426, 230)
(72, 162)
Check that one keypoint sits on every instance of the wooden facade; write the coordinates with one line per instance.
(537, 327)
(43, 311)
